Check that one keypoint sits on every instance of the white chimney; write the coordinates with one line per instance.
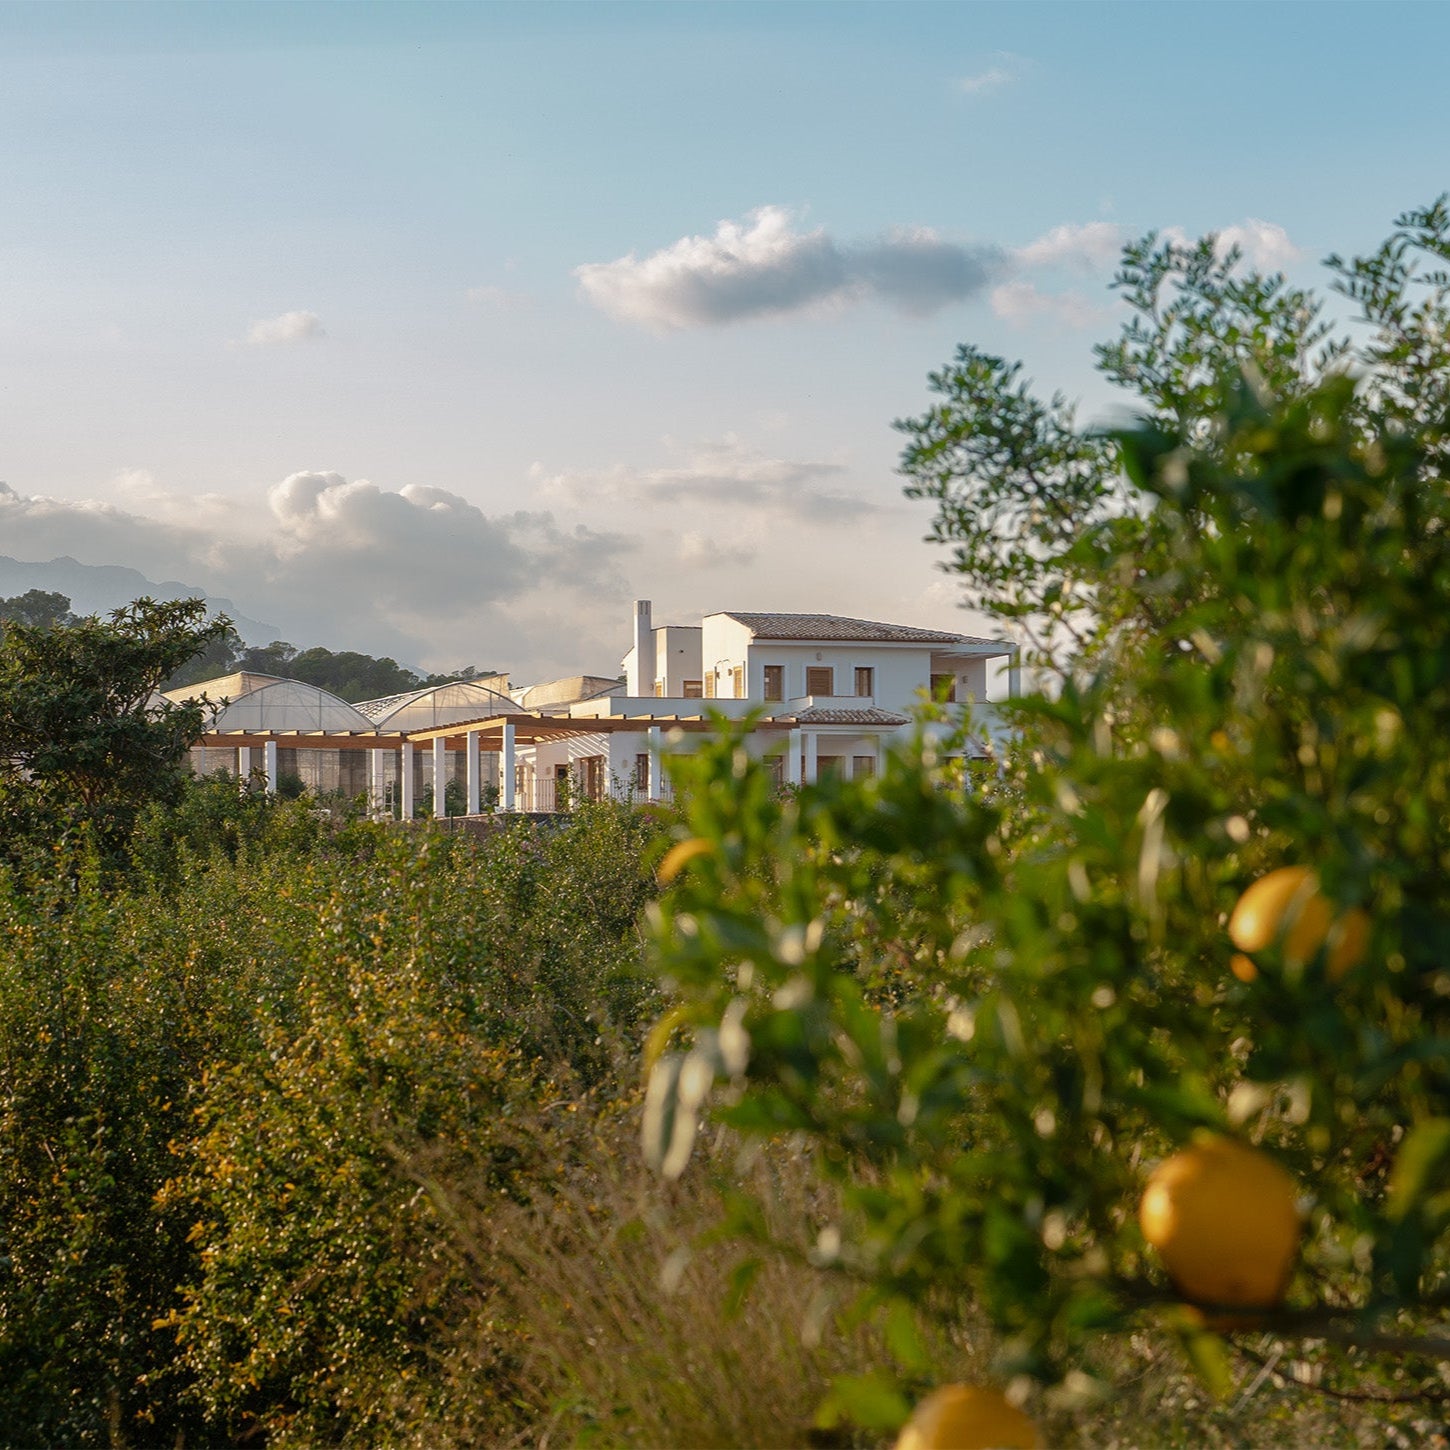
(642, 680)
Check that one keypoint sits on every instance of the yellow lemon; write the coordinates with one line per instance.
(1286, 907)
(1243, 967)
(1225, 1222)
(968, 1417)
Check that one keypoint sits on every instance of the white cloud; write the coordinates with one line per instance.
(1090, 245)
(1022, 302)
(1005, 68)
(1265, 245)
(726, 476)
(766, 267)
(286, 329)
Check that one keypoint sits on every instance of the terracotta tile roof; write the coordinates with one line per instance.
(835, 626)
(870, 716)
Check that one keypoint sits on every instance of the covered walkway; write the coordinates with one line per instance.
(540, 762)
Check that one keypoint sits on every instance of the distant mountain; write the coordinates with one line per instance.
(99, 588)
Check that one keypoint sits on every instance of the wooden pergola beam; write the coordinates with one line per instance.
(528, 730)
(305, 739)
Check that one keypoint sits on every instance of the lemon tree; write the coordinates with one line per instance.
(991, 1012)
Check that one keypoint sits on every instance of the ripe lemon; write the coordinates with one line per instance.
(1224, 1220)
(968, 1417)
(1286, 907)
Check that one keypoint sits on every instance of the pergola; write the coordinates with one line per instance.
(496, 734)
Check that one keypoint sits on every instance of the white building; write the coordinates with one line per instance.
(829, 692)
(824, 693)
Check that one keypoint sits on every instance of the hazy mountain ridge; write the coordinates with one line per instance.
(99, 588)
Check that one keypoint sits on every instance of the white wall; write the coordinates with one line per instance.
(971, 675)
(900, 671)
(723, 645)
(677, 656)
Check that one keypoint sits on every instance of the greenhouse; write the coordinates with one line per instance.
(250, 705)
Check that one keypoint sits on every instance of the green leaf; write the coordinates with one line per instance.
(1421, 1156)
(903, 1337)
(870, 1401)
(1203, 1349)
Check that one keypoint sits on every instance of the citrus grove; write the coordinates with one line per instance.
(1141, 1036)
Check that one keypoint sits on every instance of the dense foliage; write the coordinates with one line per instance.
(230, 1087)
(38, 607)
(85, 742)
(990, 1013)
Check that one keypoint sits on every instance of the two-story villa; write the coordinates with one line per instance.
(828, 692)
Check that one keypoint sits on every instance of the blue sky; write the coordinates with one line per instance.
(445, 331)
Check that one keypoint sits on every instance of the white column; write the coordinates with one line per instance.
(269, 754)
(405, 780)
(440, 777)
(654, 791)
(848, 763)
(377, 781)
(475, 774)
(506, 766)
(812, 755)
(244, 765)
(793, 758)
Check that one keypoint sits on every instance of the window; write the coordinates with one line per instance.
(828, 766)
(944, 687)
(738, 678)
(863, 765)
(694, 690)
(775, 682)
(865, 680)
(820, 680)
(641, 773)
(710, 685)
(659, 688)
(775, 764)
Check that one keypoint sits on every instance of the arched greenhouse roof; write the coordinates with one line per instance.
(435, 705)
(290, 705)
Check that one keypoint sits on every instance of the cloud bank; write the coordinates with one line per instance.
(417, 572)
(768, 266)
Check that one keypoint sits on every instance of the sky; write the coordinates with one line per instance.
(445, 331)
